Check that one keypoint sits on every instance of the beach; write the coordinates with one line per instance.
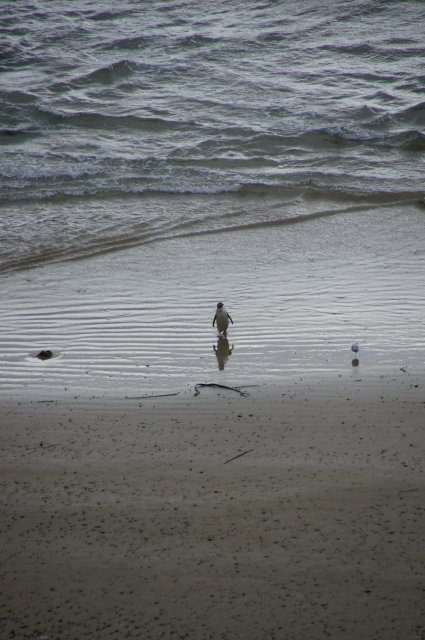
(133, 506)
(159, 480)
(129, 518)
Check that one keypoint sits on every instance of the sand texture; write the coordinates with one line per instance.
(122, 518)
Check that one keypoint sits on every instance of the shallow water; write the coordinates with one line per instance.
(139, 321)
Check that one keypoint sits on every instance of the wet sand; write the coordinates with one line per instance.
(296, 512)
(122, 517)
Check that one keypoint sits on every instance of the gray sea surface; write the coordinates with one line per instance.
(115, 116)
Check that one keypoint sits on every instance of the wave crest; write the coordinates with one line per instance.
(109, 74)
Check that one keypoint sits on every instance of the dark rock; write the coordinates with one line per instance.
(45, 354)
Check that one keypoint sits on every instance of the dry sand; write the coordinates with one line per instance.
(120, 518)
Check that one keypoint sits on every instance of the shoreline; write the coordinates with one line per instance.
(121, 518)
(295, 512)
(299, 296)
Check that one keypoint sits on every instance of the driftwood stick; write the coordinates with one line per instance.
(245, 386)
(238, 456)
(160, 395)
(220, 386)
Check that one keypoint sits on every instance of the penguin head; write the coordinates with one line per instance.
(219, 305)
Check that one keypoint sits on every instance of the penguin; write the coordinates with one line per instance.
(222, 318)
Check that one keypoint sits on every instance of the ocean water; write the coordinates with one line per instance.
(159, 156)
(104, 101)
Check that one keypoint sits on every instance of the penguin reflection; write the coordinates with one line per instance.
(222, 351)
